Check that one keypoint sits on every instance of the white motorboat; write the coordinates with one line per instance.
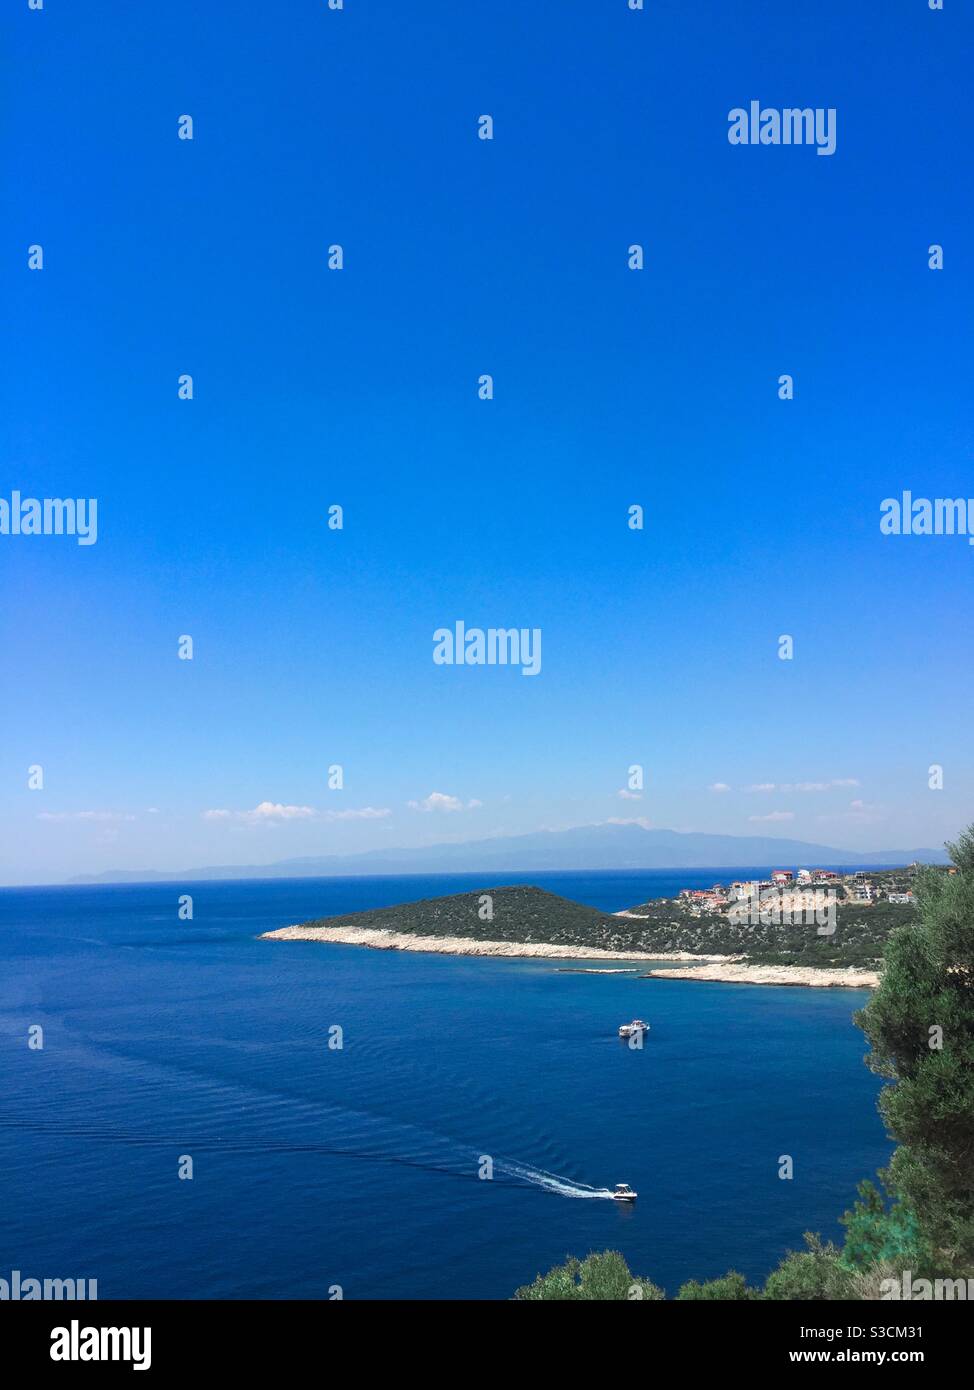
(636, 1026)
(624, 1193)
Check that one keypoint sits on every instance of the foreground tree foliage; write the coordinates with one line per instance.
(732, 1286)
(882, 1230)
(816, 1273)
(920, 1024)
(603, 1278)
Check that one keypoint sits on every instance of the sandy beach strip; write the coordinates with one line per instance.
(739, 973)
(379, 939)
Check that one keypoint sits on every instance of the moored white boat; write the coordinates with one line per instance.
(636, 1026)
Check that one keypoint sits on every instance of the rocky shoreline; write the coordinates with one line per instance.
(379, 939)
(713, 968)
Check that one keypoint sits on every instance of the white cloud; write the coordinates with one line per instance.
(803, 786)
(264, 813)
(84, 815)
(440, 801)
(627, 795)
(271, 812)
(774, 815)
(635, 820)
(718, 787)
(821, 786)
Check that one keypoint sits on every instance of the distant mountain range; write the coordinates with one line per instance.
(584, 847)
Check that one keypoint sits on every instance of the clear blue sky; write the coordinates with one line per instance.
(359, 387)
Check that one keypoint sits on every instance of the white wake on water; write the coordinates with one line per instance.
(454, 1160)
(551, 1182)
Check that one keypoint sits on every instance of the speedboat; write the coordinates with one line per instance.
(636, 1026)
(624, 1193)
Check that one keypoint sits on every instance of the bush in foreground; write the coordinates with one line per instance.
(920, 1023)
(600, 1278)
(731, 1286)
(815, 1273)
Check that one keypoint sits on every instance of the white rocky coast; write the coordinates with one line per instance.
(731, 972)
(380, 939)
(726, 969)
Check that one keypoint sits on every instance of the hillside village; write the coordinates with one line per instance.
(863, 886)
(774, 920)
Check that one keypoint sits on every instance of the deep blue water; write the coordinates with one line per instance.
(316, 1167)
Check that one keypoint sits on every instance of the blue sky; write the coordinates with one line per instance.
(359, 387)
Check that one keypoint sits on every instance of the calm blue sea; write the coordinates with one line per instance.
(316, 1167)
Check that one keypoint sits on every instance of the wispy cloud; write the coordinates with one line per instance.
(773, 816)
(274, 812)
(718, 787)
(788, 787)
(859, 813)
(627, 795)
(821, 786)
(441, 801)
(84, 815)
(634, 820)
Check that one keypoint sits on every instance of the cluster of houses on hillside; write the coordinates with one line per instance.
(717, 898)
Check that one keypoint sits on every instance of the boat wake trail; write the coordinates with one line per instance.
(455, 1162)
(551, 1182)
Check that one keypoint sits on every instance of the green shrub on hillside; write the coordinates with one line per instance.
(731, 1286)
(599, 1278)
(816, 1273)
